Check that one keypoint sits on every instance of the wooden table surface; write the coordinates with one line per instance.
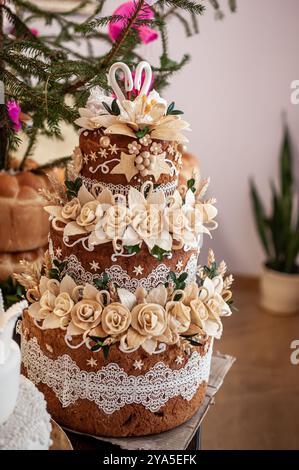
(258, 408)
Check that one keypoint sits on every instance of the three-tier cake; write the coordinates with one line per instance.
(120, 329)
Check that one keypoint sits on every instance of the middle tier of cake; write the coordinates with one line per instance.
(124, 270)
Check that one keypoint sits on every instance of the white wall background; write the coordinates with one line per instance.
(233, 93)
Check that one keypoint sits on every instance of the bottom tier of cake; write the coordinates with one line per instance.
(119, 394)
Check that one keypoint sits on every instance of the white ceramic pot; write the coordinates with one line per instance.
(279, 292)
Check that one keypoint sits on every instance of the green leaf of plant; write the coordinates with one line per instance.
(54, 274)
(115, 108)
(259, 215)
(176, 112)
(132, 249)
(106, 349)
(183, 277)
(158, 252)
(190, 183)
(106, 106)
(77, 184)
(177, 297)
(102, 283)
(286, 172)
(170, 107)
(96, 339)
(95, 348)
(69, 184)
(142, 132)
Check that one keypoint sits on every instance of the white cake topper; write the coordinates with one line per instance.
(7, 322)
(129, 82)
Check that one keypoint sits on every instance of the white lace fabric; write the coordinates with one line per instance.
(28, 428)
(110, 387)
(167, 188)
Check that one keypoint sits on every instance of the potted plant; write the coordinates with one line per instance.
(279, 235)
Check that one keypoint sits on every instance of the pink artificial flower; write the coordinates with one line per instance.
(127, 9)
(14, 111)
(33, 31)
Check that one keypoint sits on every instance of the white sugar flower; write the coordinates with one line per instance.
(95, 101)
(147, 221)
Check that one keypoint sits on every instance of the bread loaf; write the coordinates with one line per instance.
(24, 223)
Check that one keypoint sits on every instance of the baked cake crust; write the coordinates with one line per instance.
(123, 269)
(132, 419)
(90, 143)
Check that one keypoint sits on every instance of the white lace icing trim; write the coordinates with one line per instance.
(121, 277)
(28, 428)
(167, 188)
(111, 388)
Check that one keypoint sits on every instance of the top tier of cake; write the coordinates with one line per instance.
(127, 140)
(119, 162)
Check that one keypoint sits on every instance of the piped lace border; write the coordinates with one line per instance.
(111, 388)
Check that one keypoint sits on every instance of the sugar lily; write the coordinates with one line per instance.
(147, 221)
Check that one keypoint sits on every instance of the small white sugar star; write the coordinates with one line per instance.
(85, 159)
(179, 265)
(58, 252)
(179, 360)
(93, 156)
(92, 362)
(138, 364)
(138, 270)
(94, 266)
(49, 348)
(103, 153)
(113, 149)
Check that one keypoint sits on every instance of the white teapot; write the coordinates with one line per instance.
(10, 359)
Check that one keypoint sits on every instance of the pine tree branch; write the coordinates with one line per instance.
(109, 58)
(30, 146)
(60, 66)
(232, 5)
(194, 23)
(4, 124)
(184, 23)
(59, 162)
(114, 51)
(188, 5)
